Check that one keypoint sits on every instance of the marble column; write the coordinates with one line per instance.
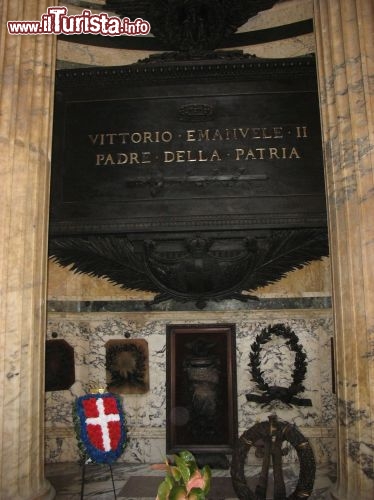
(26, 87)
(345, 58)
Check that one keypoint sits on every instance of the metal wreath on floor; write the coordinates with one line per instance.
(272, 434)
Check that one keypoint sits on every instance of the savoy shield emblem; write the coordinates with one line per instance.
(101, 426)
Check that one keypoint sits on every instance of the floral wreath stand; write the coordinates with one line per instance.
(101, 431)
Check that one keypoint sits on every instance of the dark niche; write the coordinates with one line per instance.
(201, 407)
(59, 365)
(193, 180)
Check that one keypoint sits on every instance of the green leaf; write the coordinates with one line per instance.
(196, 494)
(164, 489)
(183, 469)
(207, 476)
(188, 458)
(178, 493)
(175, 472)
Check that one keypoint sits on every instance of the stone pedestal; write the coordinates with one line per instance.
(26, 86)
(345, 57)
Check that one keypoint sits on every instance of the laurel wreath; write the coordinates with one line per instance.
(300, 366)
(137, 378)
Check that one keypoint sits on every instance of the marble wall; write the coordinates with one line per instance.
(27, 65)
(344, 49)
(344, 41)
(146, 413)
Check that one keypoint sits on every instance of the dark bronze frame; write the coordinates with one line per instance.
(122, 378)
(179, 436)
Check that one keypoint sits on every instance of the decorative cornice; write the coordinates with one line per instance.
(196, 223)
(246, 66)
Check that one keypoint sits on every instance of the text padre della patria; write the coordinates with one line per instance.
(199, 145)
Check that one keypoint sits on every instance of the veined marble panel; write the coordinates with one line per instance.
(146, 413)
(117, 306)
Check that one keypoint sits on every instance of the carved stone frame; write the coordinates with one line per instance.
(179, 406)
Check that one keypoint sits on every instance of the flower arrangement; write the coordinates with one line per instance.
(184, 480)
(100, 426)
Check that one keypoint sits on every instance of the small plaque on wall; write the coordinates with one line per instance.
(59, 365)
(127, 366)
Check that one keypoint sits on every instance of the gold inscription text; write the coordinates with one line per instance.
(191, 156)
(123, 158)
(266, 154)
(143, 137)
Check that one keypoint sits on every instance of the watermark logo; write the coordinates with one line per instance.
(56, 21)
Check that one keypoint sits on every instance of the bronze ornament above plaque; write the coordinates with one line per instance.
(192, 26)
(194, 180)
(196, 269)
